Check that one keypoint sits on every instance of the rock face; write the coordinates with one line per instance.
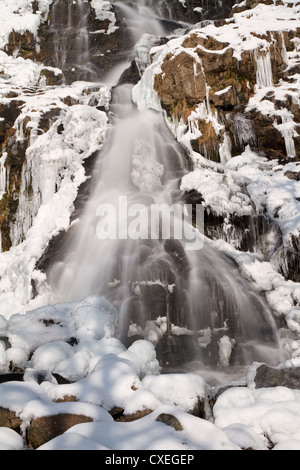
(207, 71)
(193, 11)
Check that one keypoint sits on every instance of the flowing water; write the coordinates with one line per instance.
(193, 294)
(69, 26)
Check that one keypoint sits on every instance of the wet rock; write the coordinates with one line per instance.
(175, 249)
(175, 350)
(130, 75)
(267, 376)
(193, 11)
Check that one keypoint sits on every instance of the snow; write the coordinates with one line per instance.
(181, 390)
(148, 434)
(103, 10)
(17, 16)
(273, 413)
(10, 440)
(112, 376)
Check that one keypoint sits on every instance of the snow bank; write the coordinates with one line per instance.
(272, 413)
(10, 440)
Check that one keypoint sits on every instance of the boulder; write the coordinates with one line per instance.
(170, 420)
(267, 376)
(118, 415)
(9, 419)
(46, 428)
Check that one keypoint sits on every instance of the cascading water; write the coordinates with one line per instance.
(69, 26)
(140, 19)
(197, 297)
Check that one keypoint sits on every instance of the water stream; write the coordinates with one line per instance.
(194, 302)
(69, 26)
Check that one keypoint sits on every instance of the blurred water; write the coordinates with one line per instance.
(200, 290)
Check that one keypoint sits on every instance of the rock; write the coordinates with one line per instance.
(225, 99)
(23, 45)
(5, 341)
(9, 419)
(178, 88)
(267, 376)
(173, 350)
(11, 377)
(176, 251)
(119, 416)
(293, 175)
(46, 428)
(193, 11)
(130, 75)
(170, 420)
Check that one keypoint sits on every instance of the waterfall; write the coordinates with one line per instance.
(69, 26)
(151, 277)
(140, 19)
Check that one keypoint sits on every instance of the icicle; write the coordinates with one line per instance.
(287, 131)
(2, 175)
(284, 53)
(264, 76)
(243, 131)
(225, 149)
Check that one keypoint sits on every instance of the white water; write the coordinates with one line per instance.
(143, 163)
(140, 18)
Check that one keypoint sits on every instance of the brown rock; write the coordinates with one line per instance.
(9, 419)
(181, 84)
(46, 428)
(227, 99)
(66, 398)
(170, 420)
(24, 44)
(119, 416)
